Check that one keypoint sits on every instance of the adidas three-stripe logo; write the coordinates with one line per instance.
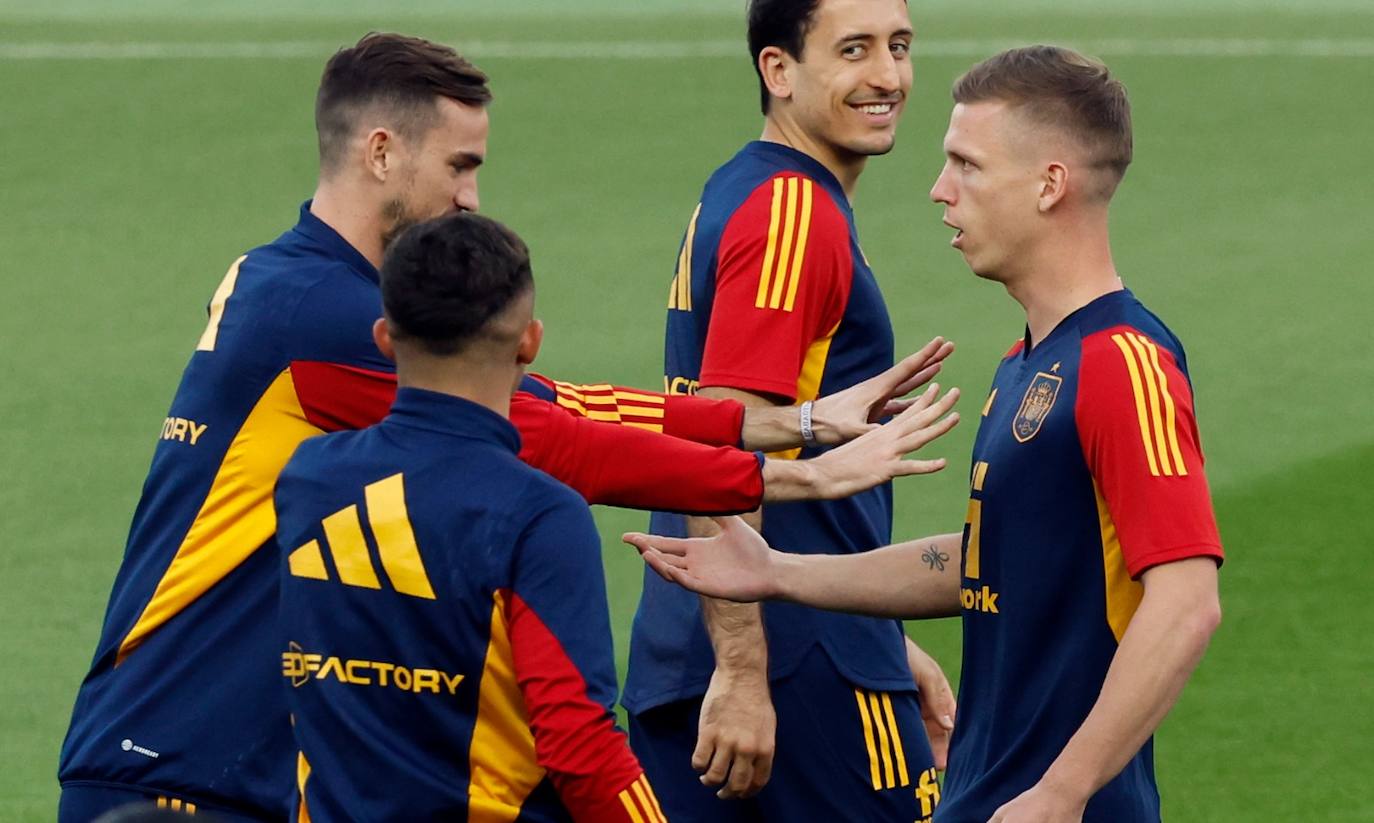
(395, 540)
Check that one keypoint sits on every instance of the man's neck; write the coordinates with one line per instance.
(352, 217)
(846, 169)
(1068, 275)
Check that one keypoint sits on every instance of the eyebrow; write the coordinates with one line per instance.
(863, 36)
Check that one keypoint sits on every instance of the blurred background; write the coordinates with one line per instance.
(147, 144)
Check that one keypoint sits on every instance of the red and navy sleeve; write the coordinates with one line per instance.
(635, 468)
(1140, 438)
(560, 636)
(699, 419)
(783, 274)
(341, 379)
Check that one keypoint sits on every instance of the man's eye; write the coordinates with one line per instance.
(900, 49)
(855, 50)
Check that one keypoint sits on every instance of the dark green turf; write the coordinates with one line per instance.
(127, 186)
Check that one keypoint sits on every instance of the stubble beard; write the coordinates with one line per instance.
(396, 217)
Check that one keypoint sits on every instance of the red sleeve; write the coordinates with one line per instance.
(699, 419)
(587, 758)
(1140, 439)
(335, 397)
(634, 468)
(783, 274)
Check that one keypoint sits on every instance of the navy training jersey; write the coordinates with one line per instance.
(773, 295)
(181, 699)
(187, 650)
(1087, 470)
(445, 639)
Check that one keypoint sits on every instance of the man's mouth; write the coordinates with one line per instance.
(875, 108)
(958, 239)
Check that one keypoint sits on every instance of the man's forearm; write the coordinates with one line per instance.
(735, 629)
(915, 579)
(1159, 650)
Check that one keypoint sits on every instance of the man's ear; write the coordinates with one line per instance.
(530, 341)
(379, 148)
(381, 335)
(774, 66)
(1054, 186)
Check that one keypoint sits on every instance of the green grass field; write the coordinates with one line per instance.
(144, 148)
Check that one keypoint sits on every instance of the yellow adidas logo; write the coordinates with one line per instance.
(343, 532)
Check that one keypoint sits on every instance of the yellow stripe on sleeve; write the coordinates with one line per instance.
(1140, 411)
(766, 273)
(635, 397)
(787, 250)
(1152, 392)
(386, 512)
(345, 536)
(867, 723)
(803, 230)
(643, 797)
(1170, 413)
(653, 799)
(627, 800)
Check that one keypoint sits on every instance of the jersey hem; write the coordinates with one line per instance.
(745, 383)
(697, 688)
(207, 805)
(1163, 556)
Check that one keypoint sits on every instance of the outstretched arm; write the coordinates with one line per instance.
(919, 578)
(848, 414)
(871, 460)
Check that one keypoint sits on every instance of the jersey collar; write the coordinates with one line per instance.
(446, 414)
(1073, 319)
(322, 234)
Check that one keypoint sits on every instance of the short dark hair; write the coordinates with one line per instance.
(1059, 87)
(406, 75)
(781, 23)
(444, 281)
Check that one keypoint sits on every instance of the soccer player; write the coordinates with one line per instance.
(472, 676)
(774, 302)
(181, 703)
(1087, 578)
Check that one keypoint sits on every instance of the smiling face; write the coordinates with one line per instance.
(437, 172)
(991, 187)
(848, 90)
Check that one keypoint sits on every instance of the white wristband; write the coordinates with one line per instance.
(808, 436)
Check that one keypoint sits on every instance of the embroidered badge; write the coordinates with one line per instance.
(1035, 406)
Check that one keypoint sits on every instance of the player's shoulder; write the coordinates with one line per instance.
(766, 178)
(1119, 323)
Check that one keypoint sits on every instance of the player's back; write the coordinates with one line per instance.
(180, 697)
(445, 639)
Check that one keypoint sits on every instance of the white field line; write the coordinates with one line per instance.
(668, 49)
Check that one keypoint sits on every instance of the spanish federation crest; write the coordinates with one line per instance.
(1035, 406)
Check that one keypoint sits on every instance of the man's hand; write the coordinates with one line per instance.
(736, 564)
(735, 736)
(1041, 804)
(845, 415)
(876, 457)
(936, 698)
